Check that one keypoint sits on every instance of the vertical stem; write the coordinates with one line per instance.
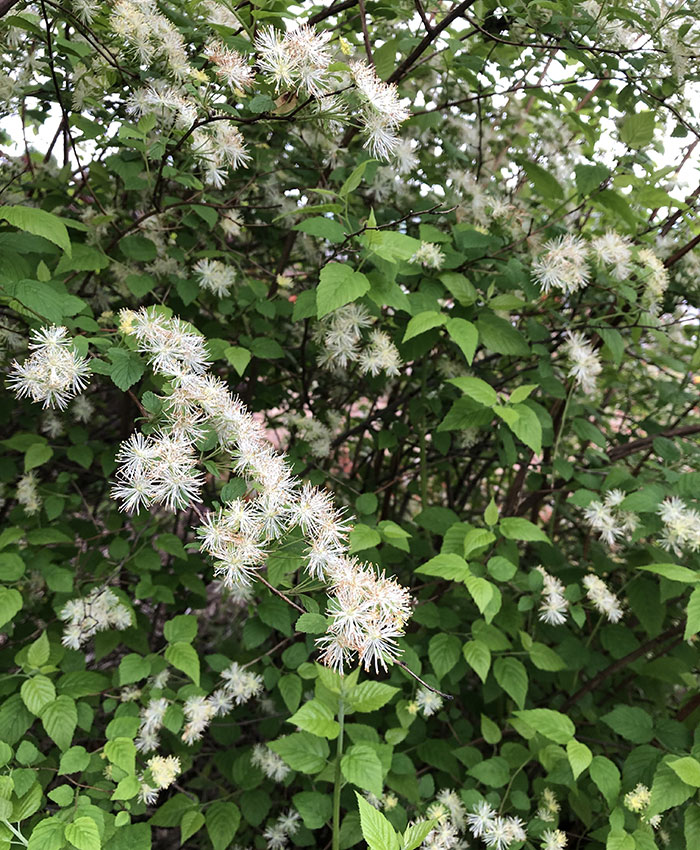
(338, 776)
(423, 447)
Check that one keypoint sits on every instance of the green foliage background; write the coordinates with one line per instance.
(464, 473)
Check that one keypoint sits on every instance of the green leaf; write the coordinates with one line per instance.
(527, 427)
(673, 572)
(692, 625)
(667, 791)
(59, 719)
(637, 130)
(181, 628)
(518, 528)
(465, 335)
(355, 178)
(74, 760)
(632, 723)
(37, 455)
(688, 769)
(315, 808)
(447, 566)
(425, 321)
(40, 223)
(324, 228)
(10, 603)
(122, 753)
(339, 285)
(552, 724)
(38, 692)
(691, 829)
(589, 177)
(222, 820)
(126, 789)
(184, 656)
(493, 772)
(476, 389)
(545, 184)
(313, 624)
(481, 591)
(238, 357)
(126, 368)
(315, 717)
(361, 766)
(363, 537)
(545, 658)
(47, 835)
(38, 652)
(500, 336)
(28, 804)
(376, 829)
(370, 696)
(415, 835)
(302, 751)
(512, 677)
(443, 651)
(606, 777)
(579, 757)
(12, 567)
(489, 730)
(133, 668)
(191, 823)
(478, 657)
(83, 834)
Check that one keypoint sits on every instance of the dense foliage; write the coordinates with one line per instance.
(349, 425)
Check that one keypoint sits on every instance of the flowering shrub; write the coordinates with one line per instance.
(350, 425)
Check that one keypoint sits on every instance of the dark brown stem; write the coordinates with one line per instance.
(281, 595)
(425, 684)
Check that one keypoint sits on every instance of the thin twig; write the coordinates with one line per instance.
(425, 684)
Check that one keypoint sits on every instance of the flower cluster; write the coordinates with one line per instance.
(152, 717)
(585, 365)
(278, 834)
(562, 265)
(429, 255)
(554, 839)
(554, 606)
(231, 66)
(549, 806)
(428, 702)
(162, 772)
(603, 598)
(150, 35)
(297, 59)
(99, 610)
(54, 372)
(239, 687)
(494, 830)
(317, 435)
(28, 494)
(681, 526)
(341, 339)
(655, 277)
(610, 520)
(368, 611)
(383, 112)
(215, 276)
(269, 762)
(614, 252)
(638, 801)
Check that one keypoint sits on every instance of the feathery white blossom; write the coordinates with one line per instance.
(585, 365)
(99, 610)
(681, 526)
(602, 598)
(562, 265)
(53, 373)
(554, 606)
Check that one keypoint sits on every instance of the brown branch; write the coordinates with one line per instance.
(418, 679)
(365, 32)
(633, 446)
(427, 40)
(5, 6)
(621, 663)
(681, 252)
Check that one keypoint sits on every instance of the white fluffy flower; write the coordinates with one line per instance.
(53, 373)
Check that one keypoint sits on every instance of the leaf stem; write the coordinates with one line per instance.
(425, 684)
(338, 776)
